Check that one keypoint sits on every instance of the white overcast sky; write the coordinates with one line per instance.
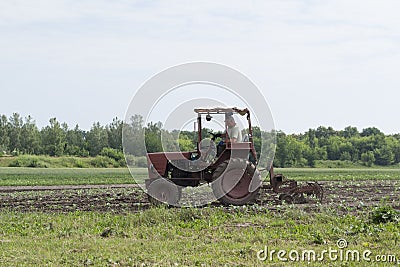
(331, 63)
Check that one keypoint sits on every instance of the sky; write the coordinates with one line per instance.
(330, 63)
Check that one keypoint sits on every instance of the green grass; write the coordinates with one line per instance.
(211, 236)
(78, 176)
(35, 161)
(69, 176)
(319, 174)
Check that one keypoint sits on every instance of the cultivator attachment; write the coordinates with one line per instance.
(290, 192)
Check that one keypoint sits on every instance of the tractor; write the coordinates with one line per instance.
(229, 166)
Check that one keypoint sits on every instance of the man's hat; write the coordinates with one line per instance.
(229, 118)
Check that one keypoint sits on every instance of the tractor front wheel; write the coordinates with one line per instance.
(236, 182)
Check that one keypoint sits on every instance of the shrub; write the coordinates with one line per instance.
(368, 158)
(130, 160)
(112, 153)
(141, 162)
(122, 163)
(80, 164)
(27, 161)
(384, 214)
(102, 162)
(133, 161)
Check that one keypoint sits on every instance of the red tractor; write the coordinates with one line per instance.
(230, 168)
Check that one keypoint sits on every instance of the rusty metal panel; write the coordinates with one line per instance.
(159, 160)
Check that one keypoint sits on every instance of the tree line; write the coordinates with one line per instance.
(22, 136)
(370, 146)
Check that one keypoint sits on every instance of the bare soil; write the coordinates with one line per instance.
(349, 196)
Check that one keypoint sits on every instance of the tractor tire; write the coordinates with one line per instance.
(162, 191)
(233, 182)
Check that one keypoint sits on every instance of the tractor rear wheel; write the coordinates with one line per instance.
(236, 182)
(163, 191)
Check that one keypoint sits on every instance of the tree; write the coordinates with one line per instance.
(289, 151)
(281, 153)
(30, 137)
(368, 158)
(268, 144)
(170, 143)
(333, 147)
(321, 153)
(345, 155)
(114, 132)
(371, 131)
(14, 133)
(76, 142)
(53, 139)
(384, 156)
(97, 139)
(257, 139)
(310, 155)
(4, 134)
(185, 144)
(394, 145)
(311, 138)
(153, 137)
(350, 132)
(134, 136)
(347, 151)
(371, 146)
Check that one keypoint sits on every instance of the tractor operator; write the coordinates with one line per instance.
(232, 130)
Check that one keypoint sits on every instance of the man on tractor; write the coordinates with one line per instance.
(233, 131)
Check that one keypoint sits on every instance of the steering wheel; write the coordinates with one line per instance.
(215, 135)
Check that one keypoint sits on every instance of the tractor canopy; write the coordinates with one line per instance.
(229, 111)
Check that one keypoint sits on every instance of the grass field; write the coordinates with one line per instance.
(216, 236)
(319, 174)
(78, 176)
(68, 176)
(207, 236)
